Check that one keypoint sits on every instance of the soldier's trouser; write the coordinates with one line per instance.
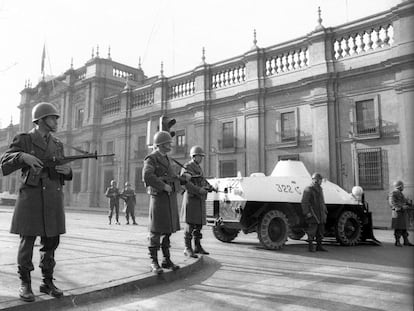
(130, 211)
(315, 231)
(155, 240)
(191, 230)
(398, 233)
(47, 254)
(113, 206)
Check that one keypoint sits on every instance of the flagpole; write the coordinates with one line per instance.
(42, 67)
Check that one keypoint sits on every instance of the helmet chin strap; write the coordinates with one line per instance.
(48, 126)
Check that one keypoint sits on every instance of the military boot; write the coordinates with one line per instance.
(311, 246)
(397, 242)
(320, 248)
(167, 263)
(110, 220)
(407, 242)
(198, 249)
(49, 288)
(25, 289)
(188, 251)
(155, 266)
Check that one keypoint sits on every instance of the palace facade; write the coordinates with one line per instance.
(339, 99)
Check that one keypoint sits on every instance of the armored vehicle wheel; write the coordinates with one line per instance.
(348, 229)
(296, 234)
(225, 234)
(273, 229)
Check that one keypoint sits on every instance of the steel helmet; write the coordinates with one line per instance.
(197, 150)
(317, 176)
(398, 184)
(42, 110)
(162, 137)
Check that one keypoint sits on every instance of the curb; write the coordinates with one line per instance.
(74, 297)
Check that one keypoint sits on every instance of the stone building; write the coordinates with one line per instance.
(339, 99)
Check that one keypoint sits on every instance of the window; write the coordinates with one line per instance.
(294, 157)
(228, 135)
(228, 168)
(370, 168)
(109, 149)
(108, 176)
(288, 126)
(139, 184)
(142, 147)
(76, 182)
(180, 143)
(79, 118)
(366, 122)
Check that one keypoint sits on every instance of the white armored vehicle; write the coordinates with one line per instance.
(271, 206)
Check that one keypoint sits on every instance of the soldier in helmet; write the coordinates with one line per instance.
(315, 212)
(39, 206)
(194, 205)
(113, 195)
(128, 195)
(162, 184)
(400, 222)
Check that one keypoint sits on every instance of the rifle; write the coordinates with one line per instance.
(49, 166)
(207, 186)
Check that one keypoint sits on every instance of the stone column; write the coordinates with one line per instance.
(320, 138)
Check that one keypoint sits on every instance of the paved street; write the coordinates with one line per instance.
(237, 276)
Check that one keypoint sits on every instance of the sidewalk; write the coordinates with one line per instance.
(94, 260)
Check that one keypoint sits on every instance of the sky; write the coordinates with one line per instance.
(169, 31)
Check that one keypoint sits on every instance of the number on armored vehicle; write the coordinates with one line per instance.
(284, 188)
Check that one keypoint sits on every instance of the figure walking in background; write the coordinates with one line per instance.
(113, 194)
(128, 195)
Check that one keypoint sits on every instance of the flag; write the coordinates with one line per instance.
(42, 69)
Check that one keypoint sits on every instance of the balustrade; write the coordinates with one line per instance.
(181, 89)
(287, 61)
(363, 41)
(111, 107)
(143, 98)
(229, 76)
(120, 73)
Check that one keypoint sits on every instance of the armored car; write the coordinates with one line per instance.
(271, 206)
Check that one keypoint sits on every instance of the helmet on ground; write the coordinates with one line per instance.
(317, 176)
(42, 110)
(398, 184)
(197, 150)
(162, 137)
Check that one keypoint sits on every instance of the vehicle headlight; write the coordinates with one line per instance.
(357, 192)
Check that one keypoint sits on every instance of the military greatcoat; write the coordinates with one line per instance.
(159, 170)
(313, 202)
(194, 204)
(39, 208)
(400, 219)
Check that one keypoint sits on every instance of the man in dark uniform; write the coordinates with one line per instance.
(112, 193)
(39, 207)
(128, 195)
(400, 221)
(162, 185)
(315, 212)
(194, 203)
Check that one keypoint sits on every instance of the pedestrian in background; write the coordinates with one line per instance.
(162, 184)
(400, 221)
(194, 203)
(113, 194)
(39, 206)
(315, 212)
(128, 195)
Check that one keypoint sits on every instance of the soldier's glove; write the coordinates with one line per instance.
(63, 169)
(308, 215)
(31, 161)
(203, 191)
(167, 188)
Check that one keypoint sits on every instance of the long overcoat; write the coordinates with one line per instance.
(313, 202)
(193, 209)
(400, 219)
(163, 207)
(39, 209)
